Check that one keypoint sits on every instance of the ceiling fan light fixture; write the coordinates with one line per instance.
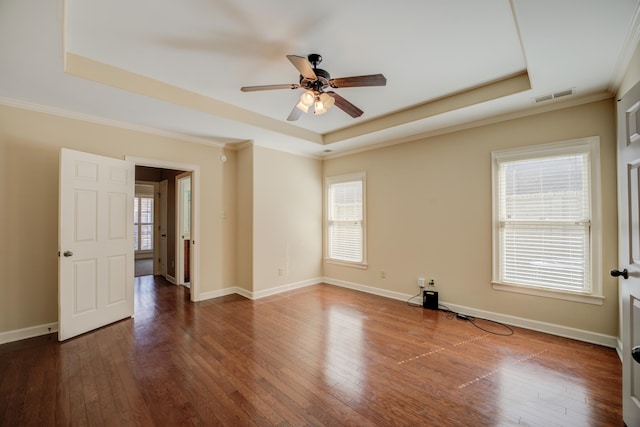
(327, 100)
(307, 98)
(302, 107)
(319, 107)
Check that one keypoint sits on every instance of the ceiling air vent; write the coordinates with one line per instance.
(543, 98)
(563, 93)
(554, 95)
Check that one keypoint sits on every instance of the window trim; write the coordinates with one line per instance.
(590, 145)
(357, 176)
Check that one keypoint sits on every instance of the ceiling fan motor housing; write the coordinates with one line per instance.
(319, 84)
(314, 59)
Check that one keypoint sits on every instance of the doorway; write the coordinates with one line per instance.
(164, 265)
(145, 235)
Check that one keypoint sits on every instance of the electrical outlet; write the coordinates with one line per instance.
(280, 272)
(432, 282)
(421, 282)
(383, 275)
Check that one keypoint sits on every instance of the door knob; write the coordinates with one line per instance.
(624, 273)
(635, 353)
(163, 235)
(67, 253)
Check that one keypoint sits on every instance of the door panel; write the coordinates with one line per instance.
(95, 284)
(84, 281)
(634, 387)
(634, 213)
(118, 216)
(86, 225)
(117, 268)
(629, 248)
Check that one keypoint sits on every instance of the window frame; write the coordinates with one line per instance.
(590, 146)
(338, 179)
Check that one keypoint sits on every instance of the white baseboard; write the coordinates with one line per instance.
(259, 294)
(219, 293)
(619, 349)
(33, 331)
(535, 325)
(171, 279)
(368, 289)
(284, 288)
(549, 328)
(243, 292)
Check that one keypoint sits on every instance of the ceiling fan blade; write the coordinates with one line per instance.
(269, 87)
(359, 81)
(345, 105)
(294, 114)
(303, 67)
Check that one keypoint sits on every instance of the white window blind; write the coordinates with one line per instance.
(345, 218)
(143, 223)
(544, 220)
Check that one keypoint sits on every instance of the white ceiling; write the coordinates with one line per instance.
(427, 50)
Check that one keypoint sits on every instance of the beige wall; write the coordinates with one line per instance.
(5, 291)
(429, 214)
(29, 148)
(244, 218)
(287, 233)
(229, 215)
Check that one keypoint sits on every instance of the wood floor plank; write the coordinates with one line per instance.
(320, 355)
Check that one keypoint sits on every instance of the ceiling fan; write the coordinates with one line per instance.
(316, 81)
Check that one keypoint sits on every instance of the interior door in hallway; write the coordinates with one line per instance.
(164, 210)
(185, 243)
(95, 233)
(628, 269)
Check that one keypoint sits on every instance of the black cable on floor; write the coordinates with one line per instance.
(452, 314)
(412, 304)
(509, 332)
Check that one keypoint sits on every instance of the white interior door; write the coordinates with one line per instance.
(95, 282)
(164, 211)
(629, 250)
(183, 217)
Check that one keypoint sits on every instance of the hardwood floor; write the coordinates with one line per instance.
(321, 355)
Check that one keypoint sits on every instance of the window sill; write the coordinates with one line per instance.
(549, 293)
(360, 265)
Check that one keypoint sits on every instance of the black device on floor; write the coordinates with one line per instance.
(430, 300)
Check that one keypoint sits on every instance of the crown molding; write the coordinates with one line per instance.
(23, 105)
(631, 41)
(554, 106)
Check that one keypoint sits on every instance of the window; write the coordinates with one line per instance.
(143, 223)
(346, 231)
(546, 220)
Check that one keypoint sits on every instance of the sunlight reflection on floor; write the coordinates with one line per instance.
(345, 367)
